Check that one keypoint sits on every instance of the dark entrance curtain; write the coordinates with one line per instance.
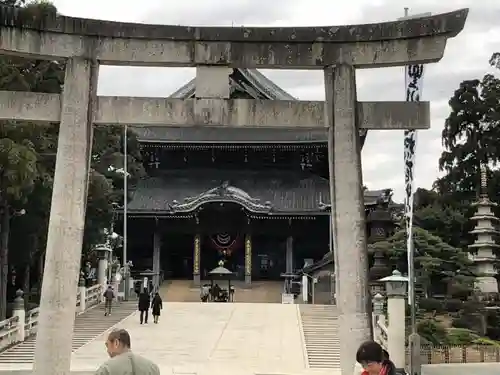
(268, 257)
(177, 255)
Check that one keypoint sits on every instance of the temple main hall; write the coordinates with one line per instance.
(257, 199)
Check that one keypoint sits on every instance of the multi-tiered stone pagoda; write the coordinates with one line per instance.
(483, 248)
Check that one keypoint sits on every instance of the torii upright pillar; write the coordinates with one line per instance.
(348, 215)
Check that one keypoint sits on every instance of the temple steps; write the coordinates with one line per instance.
(259, 292)
(179, 291)
(321, 339)
(88, 326)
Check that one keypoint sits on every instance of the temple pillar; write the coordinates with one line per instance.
(196, 260)
(67, 219)
(289, 254)
(248, 259)
(348, 213)
(156, 258)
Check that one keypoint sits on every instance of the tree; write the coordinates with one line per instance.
(21, 167)
(470, 135)
(495, 60)
(17, 178)
(443, 219)
(37, 182)
(440, 268)
(106, 186)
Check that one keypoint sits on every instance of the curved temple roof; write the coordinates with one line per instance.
(447, 24)
(259, 81)
(266, 192)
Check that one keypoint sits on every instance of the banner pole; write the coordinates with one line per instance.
(413, 90)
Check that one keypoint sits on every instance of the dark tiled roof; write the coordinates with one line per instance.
(257, 85)
(229, 135)
(182, 191)
(256, 79)
(325, 261)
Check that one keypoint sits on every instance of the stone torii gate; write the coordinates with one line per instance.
(338, 50)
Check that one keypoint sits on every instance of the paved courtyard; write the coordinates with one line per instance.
(195, 338)
(211, 338)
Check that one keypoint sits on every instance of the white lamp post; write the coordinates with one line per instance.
(396, 287)
(124, 171)
(125, 213)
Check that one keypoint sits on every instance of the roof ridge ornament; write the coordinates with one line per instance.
(222, 193)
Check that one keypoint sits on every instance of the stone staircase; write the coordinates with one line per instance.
(88, 326)
(179, 291)
(320, 329)
(260, 291)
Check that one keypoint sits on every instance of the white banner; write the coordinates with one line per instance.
(414, 75)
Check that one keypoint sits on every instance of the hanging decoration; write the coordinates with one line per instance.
(413, 80)
(225, 243)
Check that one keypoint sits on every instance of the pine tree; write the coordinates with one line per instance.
(470, 135)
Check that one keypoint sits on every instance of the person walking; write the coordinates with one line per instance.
(144, 301)
(108, 295)
(156, 307)
(204, 293)
(122, 359)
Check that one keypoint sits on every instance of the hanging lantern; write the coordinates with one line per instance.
(225, 243)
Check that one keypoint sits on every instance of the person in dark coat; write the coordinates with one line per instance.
(156, 306)
(144, 302)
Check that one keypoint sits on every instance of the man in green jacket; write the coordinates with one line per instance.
(123, 361)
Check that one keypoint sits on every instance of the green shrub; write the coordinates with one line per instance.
(432, 331)
(486, 341)
(452, 305)
(431, 304)
(460, 336)
(462, 322)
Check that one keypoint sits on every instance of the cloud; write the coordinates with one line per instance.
(466, 57)
(483, 14)
(141, 81)
(218, 12)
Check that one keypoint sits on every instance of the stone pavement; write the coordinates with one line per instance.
(196, 338)
(212, 338)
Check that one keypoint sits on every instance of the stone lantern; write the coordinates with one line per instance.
(380, 223)
(396, 287)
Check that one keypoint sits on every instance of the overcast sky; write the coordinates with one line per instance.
(466, 57)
